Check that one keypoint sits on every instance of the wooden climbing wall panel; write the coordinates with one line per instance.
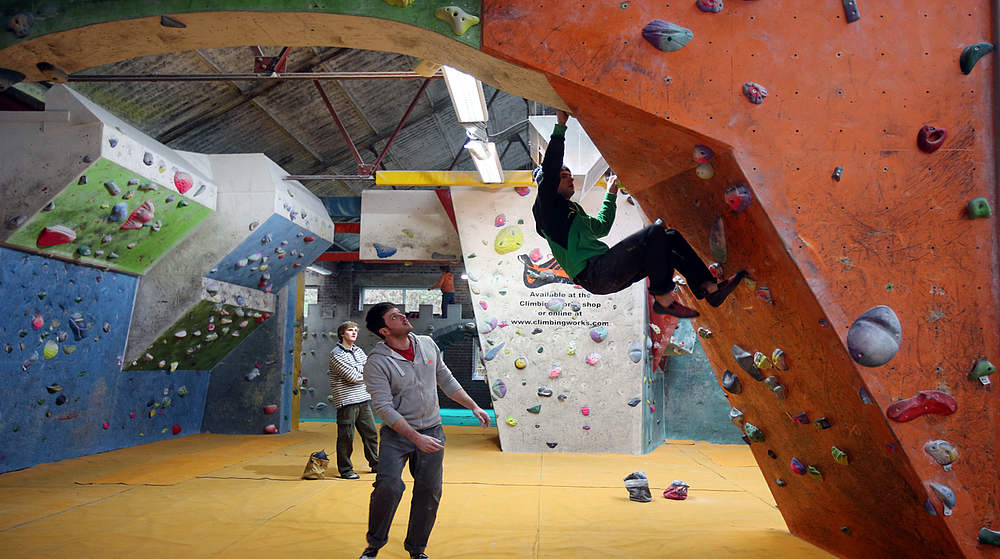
(892, 231)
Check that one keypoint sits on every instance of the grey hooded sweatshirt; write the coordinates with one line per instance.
(400, 388)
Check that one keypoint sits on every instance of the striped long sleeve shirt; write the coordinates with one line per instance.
(346, 375)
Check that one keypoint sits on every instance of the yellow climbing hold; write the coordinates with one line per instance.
(399, 3)
(508, 239)
(50, 350)
(459, 19)
(520, 362)
(511, 421)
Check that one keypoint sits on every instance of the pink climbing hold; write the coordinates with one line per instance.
(593, 358)
(270, 408)
(585, 410)
(142, 215)
(522, 190)
(535, 255)
(106, 425)
(131, 415)
(678, 490)
(55, 235)
(183, 181)
(37, 322)
(271, 429)
(555, 372)
(176, 429)
(483, 305)
(501, 220)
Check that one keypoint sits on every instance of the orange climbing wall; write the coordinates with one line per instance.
(893, 231)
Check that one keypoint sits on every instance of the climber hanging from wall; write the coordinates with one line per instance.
(654, 252)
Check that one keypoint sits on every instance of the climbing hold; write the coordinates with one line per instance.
(761, 361)
(815, 473)
(822, 423)
(638, 487)
(839, 456)
(61, 399)
(678, 490)
(989, 537)
(731, 382)
(183, 181)
(459, 19)
(704, 171)
(704, 332)
(84, 250)
(971, 54)
(666, 36)
(585, 410)
(53, 388)
(500, 220)
(979, 207)
(308, 239)
(544, 391)
(499, 388)
(384, 251)
(142, 215)
(574, 306)
(55, 235)
(535, 409)
(797, 466)
(635, 351)
(50, 350)
(736, 416)
(710, 6)
(112, 188)
(634, 402)
(925, 402)
(778, 359)
(717, 240)
(593, 358)
(874, 337)
(780, 482)
(866, 398)
(943, 452)
(520, 362)
(551, 444)
(493, 351)
(753, 432)
(981, 370)
(929, 139)
(571, 348)
(555, 372)
(522, 190)
(176, 429)
(802, 418)
(118, 212)
(508, 239)
(851, 12)
(535, 255)
(78, 326)
(754, 92)
(739, 197)
(702, 154)
(16, 221)
(599, 333)
(946, 495)
(561, 397)
(488, 325)
(764, 293)
(271, 429)
(746, 362)
(511, 421)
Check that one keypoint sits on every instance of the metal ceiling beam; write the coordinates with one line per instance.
(402, 122)
(343, 129)
(248, 76)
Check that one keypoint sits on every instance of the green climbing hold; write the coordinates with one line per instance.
(981, 368)
(815, 473)
(989, 537)
(68, 349)
(979, 207)
(50, 350)
(971, 54)
(535, 409)
(839, 456)
(753, 432)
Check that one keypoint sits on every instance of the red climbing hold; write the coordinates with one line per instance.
(308, 239)
(106, 425)
(929, 139)
(55, 235)
(271, 429)
(270, 408)
(925, 402)
(142, 215)
(183, 181)
(176, 429)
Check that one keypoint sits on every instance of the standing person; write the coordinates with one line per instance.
(447, 284)
(402, 376)
(347, 363)
(654, 252)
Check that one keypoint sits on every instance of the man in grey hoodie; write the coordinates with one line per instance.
(402, 375)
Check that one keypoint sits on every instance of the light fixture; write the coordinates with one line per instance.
(466, 95)
(465, 276)
(490, 170)
(319, 270)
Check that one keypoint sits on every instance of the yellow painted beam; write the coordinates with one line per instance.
(449, 178)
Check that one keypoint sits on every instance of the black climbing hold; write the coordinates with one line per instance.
(9, 78)
(823, 423)
(731, 382)
(167, 21)
(846, 530)
(60, 399)
(851, 11)
(634, 402)
(551, 445)
(971, 54)
(780, 482)
(837, 173)
(745, 361)
(772, 454)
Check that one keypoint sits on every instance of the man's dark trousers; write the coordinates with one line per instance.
(426, 468)
(348, 417)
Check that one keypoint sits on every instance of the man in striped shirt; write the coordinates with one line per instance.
(347, 363)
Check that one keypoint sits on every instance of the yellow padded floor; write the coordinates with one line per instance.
(241, 496)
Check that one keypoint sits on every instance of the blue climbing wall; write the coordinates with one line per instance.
(262, 261)
(696, 406)
(62, 393)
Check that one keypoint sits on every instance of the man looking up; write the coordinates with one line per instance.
(402, 375)
(653, 252)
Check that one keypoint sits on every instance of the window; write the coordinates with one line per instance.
(408, 298)
(310, 296)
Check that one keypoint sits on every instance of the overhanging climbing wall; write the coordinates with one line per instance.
(892, 228)
(566, 368)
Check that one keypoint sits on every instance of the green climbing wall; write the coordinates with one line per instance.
(85, 208)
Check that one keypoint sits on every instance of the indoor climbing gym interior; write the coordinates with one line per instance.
(199, 199)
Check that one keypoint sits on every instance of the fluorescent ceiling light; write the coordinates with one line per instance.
(490, 170)
(318, 270)
(466, 95)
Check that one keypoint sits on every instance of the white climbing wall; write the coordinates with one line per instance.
(405, 225)
(511, 313)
